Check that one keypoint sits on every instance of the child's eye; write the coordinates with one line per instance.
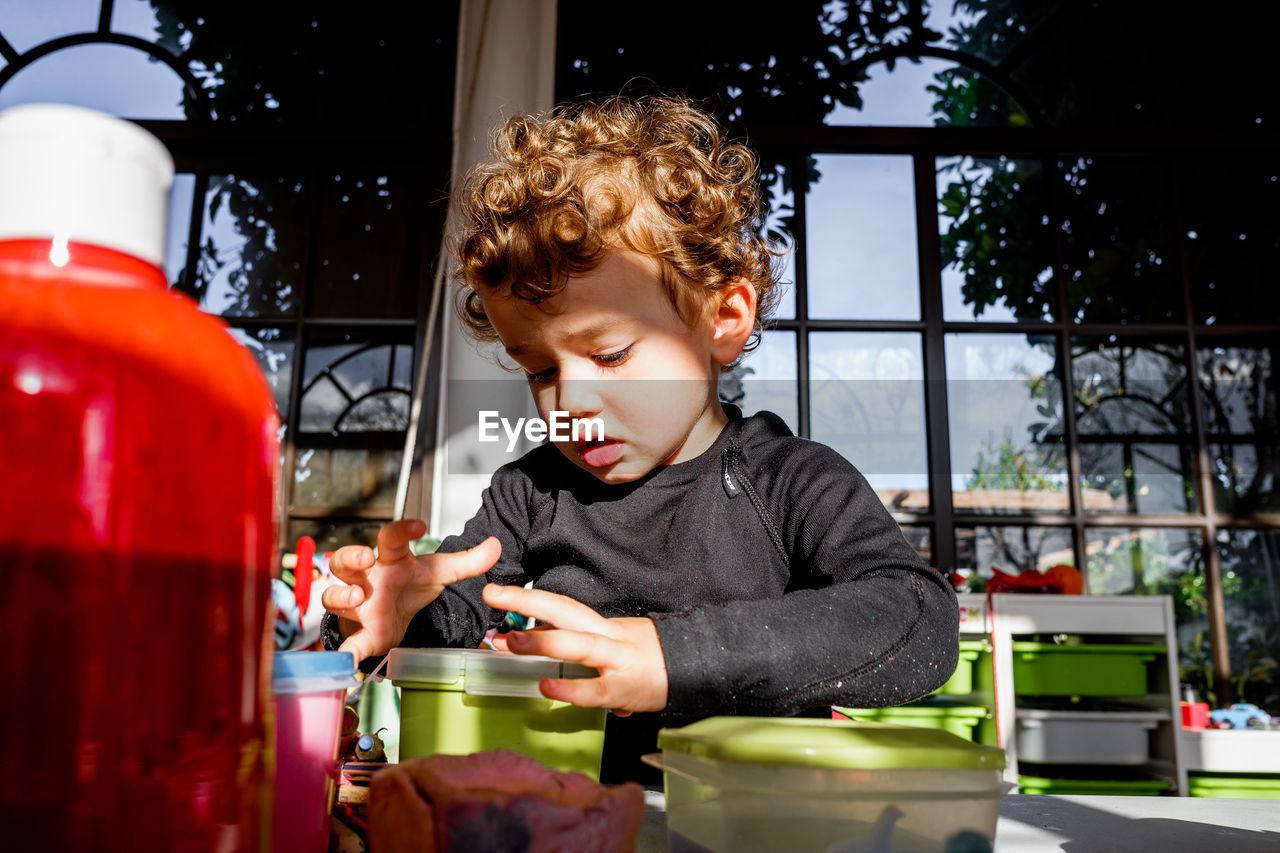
(542, 377)
(613, 359)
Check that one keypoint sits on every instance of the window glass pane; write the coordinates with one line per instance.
(997, 246)
(1231, 226)
(1118, 243)
(362, 242)
(351, 383)
(860, 245)
(779, 198)
(920, 537)
(317, 61)
(112, 78)
(1246, 477)
(1004, 403)
(274, 349)
(767, 379)
(866, 392)
(1240, 388)
(180, 203)
(332, 535)
(1012, 548)
(1142, 561)
(1251, 588)
(1133, 418)
(1136, 477)
(927, 92)
(28, 24)
(252, 245)
(338, 477)
(138, 18)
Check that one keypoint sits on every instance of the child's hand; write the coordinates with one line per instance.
(384, 594)
(626, 651)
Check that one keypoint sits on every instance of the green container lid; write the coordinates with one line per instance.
(837, 744)
(1028, 647)
(978, 646)
(482, 672)
(1255, 781)
(1049, 785)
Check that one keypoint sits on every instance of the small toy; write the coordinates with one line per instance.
(369, 747)
(1241, 715)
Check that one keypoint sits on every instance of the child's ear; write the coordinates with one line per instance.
(733, 320)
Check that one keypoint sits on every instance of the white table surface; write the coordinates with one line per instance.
(1034, 823)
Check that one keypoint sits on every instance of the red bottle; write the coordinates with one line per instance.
(138, 456)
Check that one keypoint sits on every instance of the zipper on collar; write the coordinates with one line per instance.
(727, 478)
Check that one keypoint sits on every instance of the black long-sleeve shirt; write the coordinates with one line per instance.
(775, 577)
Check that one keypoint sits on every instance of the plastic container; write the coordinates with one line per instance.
(1241, 786)
(1072, 782)
(798, 784)
(1049, 669)
(1083, 737)
(460, 701)
(138, 446)
(974, 655)
(959, 720)
(309, 689)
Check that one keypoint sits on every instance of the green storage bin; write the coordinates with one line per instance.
(460, 701)
(1085, 669)
(960, 720)
(974, 654)
(1121, 786)
(1242, 786)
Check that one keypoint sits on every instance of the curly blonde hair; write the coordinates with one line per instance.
(653, 175)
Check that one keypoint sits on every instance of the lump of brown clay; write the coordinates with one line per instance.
(498, 801)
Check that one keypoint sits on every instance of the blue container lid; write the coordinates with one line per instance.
(312, 672)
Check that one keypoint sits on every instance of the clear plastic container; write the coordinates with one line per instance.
(309, 689)
(767, 784)
(460, 701)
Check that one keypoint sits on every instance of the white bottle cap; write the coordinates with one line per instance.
(78, 175)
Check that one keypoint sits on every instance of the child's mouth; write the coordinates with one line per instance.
(600, 453)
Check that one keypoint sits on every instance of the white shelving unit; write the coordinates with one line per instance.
(1138, 619)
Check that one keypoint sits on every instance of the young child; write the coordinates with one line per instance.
(705, 563)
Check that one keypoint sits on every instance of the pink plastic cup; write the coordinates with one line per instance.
(309, 690)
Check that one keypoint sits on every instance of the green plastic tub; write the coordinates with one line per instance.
(460, 701)
(1243, 786)
(974, 654)
(1120, 786)
(1048, 669)
(763, 784)
(959, 720)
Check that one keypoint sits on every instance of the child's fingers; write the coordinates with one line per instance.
(339, 598)
(453, 567)
(360, 644)
(583, 692)
(556, 609)
(350, 563)
(587, 648)
(394, 538)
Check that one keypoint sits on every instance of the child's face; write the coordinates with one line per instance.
(611, 346)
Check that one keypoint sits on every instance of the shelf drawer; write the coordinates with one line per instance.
(975, 655)
(1239, 786)
(1048, 669)
(1052, 740)
(960, 720)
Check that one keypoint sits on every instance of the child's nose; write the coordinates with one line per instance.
(579, 397)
